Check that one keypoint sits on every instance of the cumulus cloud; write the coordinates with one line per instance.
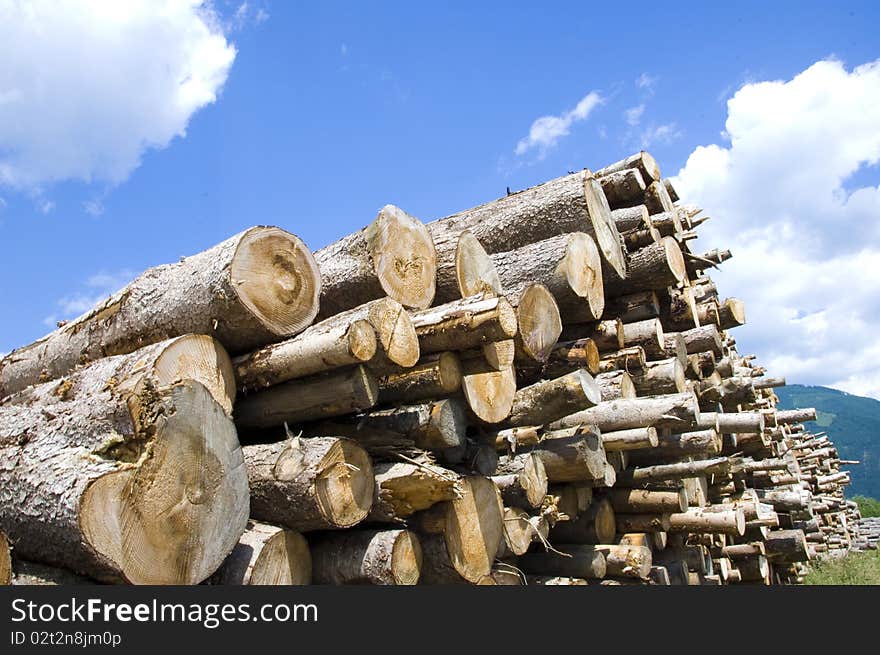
(96, 289)
(86, 87)
(547, 130)
(645, 82)
(805, 236)
(666, 133)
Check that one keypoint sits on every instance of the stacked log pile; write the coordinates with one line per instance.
(539, 390)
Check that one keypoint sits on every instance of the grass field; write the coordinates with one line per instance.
(854, 569)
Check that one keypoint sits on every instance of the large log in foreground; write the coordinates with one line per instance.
(255, 287)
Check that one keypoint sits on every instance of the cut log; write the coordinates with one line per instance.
(393, 256)
(638, 239)
(470, 273)
(495, 356)
(647, 523)
(634, 439)
(787, 545)
(569, 265)
(624, 188)
(614, 385)
(255, 287)
(656, 266)
(573, 454)
(644, 501)
(378, 557)
(463, 324)
(631, 360)
(144, 484)
(435, 376)
(595, 525)
(522, 480)
(490, 394)
(657, 198)
(267, 555)
(698, 519)
(568, 356)
(631, 218)
(679, 409)
(646, 334)
(548, 400)
(731, 313)
(733, 422)
(639, 306)
(680, 444)
(438, 425)
(703, 338)
(574, 203)
(472, 529)
(538, 323)
(310, 484)
(668, 223)
(402, 489)
(641, 161)
(675, 346)
(660, 377)
(626, 561)
(522, 530)
(677, 471)
(308, 399)
(380, 330)
(576, 561)
(795, 416)
(769, 382)
(755, 568)
(5, 561)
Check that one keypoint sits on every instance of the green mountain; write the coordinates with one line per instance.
(852, 423)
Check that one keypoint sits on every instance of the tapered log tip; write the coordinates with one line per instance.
(345, 484)
(474, 270)
(276, 277)
(584, 271)
(406, 558)
(175, 517)
(284, 560)
(538, 321)
(201, 358)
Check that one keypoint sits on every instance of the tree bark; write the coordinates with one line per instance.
(677, 471)
(657, 198)
(787, 545)
(641, 161)
(647, 334)
(699, 519)
(579, 561)
(378, 557)
(626, 561)
(614, 385)
(522, 480)
(308, 399)
(647, 523)
(574, 203)
(674, 410)
(660, 377)
(310, 484)
(393, 256)
(731, 313)
(5, 561)
(569, 265)
(631, 218)
(703, 338)
(253, 288)
(644, 501)
(733, 422)
(639, 306)
(463, 324)
(631, 360)
(595, 525)
(626, 440)
(89, 470)
(435, 376)
(548, 400)
(267, 555)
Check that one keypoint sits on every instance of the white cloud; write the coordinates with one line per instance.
(45, 206)
(547, 130)
(86, 87)
(666, 133)
(244, 15)
(96, 289)
(646, 82)
(633, 115)
(93, 207)
(806, 248)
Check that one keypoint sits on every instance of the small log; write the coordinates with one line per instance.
(539, 324)
(572, 355)
(569, 265)
(614, 385)
(494, 356)
(308, 399)
(698, 519)
(673, 196)
(631, 218)
(657, 198)
(703, 338)
(435, 376)
(378, 557)
(393, 256)
(548, 400)
(655, 266)
(660, 377)
(656, 411)
(677, 471)
(521, 480)
(5, 561)
(577, 561)
(255, 287)
(646, 334)
(401, 489)
(668, 223)
(463, 324)
(755, 568)
(573, 454)
(787, 545)
(731, 313)
(631, 360)
(607, 335)
(795, 416)
(626, 440)
(769, 382)
(489, 394)
(310, 484)
(644, 501)
(626, 561)
(647, 523)
(674, 346)
(469, 273)
(641, 161)
(595, 525)
(639, 306)
(267, 555)
(522, 530)
(624, 188)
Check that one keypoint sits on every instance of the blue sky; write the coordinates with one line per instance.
(327, 112)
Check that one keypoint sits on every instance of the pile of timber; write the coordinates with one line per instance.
(539, 390)
(867, 532)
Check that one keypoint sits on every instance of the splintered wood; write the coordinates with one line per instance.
(541, 390)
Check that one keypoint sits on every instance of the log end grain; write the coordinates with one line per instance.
(475, 272)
